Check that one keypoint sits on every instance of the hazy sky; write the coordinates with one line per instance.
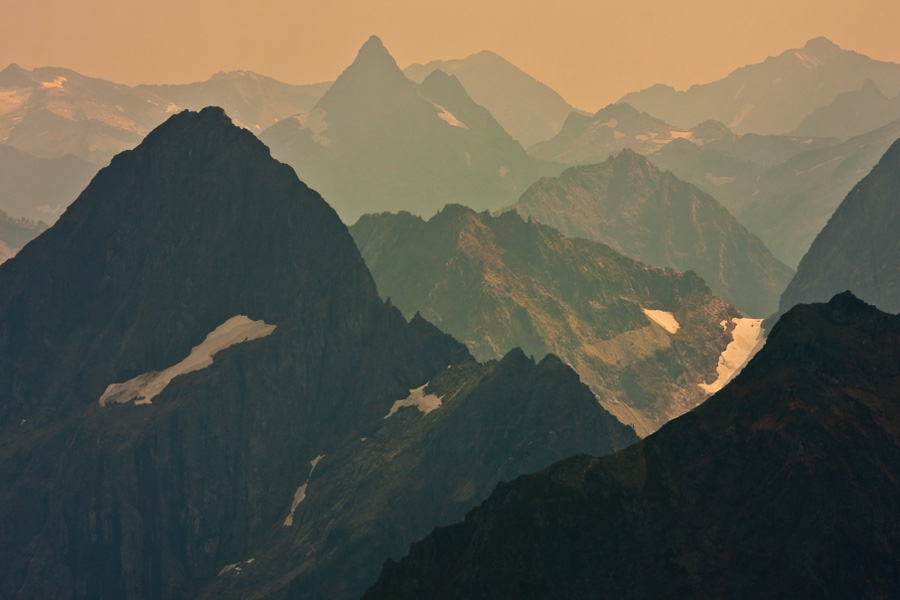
(591, 51)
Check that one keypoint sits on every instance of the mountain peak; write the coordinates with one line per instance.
(618, 110)
(373, 72)
(374, 49)
(820, 43)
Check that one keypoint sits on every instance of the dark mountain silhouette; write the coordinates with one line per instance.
(782, 485)
(201, 391)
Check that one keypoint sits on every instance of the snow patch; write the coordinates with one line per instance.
(682, 135)
(300, 494)
(11, 100)
(172, 108)
(143, 388)
(618, 135)
(448, 117)
(610, 123)
(503, 171)
(807, 60)
(664, 319)
(418, 398)
(746, 340)
(236, 567)
(56, 83)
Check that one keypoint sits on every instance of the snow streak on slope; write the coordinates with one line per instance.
(418, 398)
(143, 388)
(746, 340)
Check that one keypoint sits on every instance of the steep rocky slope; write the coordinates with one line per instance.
(785, 484)
(645, 339)
(654, 217)
(859, 249)
(192, 362)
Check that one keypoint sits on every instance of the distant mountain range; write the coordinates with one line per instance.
(782, 485)
(204, 396)
(654, 217)
(787, 204)
(378, 141)
(852, 113)
(859, 248)
(254, 101)
(527, 109)
(15, 233)
(586, 140)
(773, 96)
(50, 112)
(40, 189)
(497, 283)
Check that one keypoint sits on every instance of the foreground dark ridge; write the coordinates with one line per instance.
(783, 485)
(323, 436)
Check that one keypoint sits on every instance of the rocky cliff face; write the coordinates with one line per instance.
(858, 249)
(654, 217)
(496, 283)
(782, 485)
(192, 345)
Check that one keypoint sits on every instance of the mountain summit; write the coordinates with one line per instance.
(377, 141)
(202, 395)
(654, 217)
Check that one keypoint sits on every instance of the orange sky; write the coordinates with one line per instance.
(591, 51)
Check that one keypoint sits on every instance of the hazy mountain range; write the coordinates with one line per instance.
(205, 392)
(852, 113)
(773, 96)
(378, 141)
(787, 204)
(859, 248)
(15, 233)
(526, 108)
(654, 217)
(497, 283)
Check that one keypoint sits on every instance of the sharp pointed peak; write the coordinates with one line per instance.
(373, 47)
